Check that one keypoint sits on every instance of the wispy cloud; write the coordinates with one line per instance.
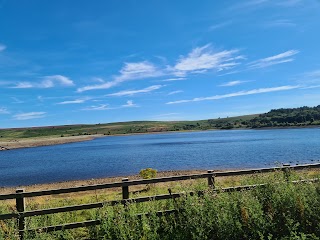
(310, 78)
(174, 79)
(129, 104)
(97, 107)
(280, 23)
(47, 82)
(175, 92)
(273, 60)
(237, 94)
(29, 115)
(219, 25)
(133, 92)
(4, 110)
(252, 5)
(204, 58)
(313, 74)
(199, 60)
(2, 47)
(16, 100)
(130, 71)
(232, 83)
(76, 101)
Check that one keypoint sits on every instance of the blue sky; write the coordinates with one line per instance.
(108, 61)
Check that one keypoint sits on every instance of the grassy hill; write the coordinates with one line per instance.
(284, 117)
(123, 128)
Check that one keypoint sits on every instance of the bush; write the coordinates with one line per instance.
(148, 173)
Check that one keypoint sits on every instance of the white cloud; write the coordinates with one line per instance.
(76, 101)
(280, 23)
(204, 58)
(174, 79)
(2, 47)
(219, 25)
(97, 107)
(129, 104)
(130, 71)
(47, 82)
(237, 94)
(273, 60)
(106, 85)
(175, 92)
(232, 83)
(4, 110)
(313, 74)
(29, 115)
(24, 85)
(133, 92)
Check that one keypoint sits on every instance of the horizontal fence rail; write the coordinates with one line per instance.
(20, 195)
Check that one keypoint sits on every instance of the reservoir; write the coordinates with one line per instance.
(127, 155)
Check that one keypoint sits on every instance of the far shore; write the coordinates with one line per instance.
(55, 140)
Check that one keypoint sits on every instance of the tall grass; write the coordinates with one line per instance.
(279, 210)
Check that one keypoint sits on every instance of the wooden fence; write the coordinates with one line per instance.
(20, 214)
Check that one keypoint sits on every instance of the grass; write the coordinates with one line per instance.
(277, 211)
(116, 128)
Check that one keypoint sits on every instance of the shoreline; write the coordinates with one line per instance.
(55, 140)
(104, 180)
(92, 181)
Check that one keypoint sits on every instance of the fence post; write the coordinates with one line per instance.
(20, 206)
(210, 179)
(286, 171)
(125, 189)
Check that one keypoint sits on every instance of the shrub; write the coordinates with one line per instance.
(148, 173)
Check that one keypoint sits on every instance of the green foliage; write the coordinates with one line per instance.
(148, 173)
(302, 116)
(279, 210)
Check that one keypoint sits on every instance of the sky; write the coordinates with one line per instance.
(77, 62)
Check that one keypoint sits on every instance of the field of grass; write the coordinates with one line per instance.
(118, 128)
(277, 211)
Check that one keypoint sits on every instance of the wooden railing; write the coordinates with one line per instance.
(20, 195)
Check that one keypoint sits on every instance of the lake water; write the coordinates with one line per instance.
(127, 155)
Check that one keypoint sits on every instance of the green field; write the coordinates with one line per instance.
(280, 210)
(284, 117)
(123, 128)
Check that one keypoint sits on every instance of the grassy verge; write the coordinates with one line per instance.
(278, 211)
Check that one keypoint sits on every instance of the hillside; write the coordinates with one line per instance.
(284, 117)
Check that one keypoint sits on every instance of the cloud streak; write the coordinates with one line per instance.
(238, 94)
(202, 59)
(29, 115)
(100, 107)
(4, 110)
(76, 101)
(175, 92)
(47, 82)
(129, 104)
(232, 83)
(134, 92)
(273, 60)
(130, 71)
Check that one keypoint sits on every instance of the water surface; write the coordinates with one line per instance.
(126, 155)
